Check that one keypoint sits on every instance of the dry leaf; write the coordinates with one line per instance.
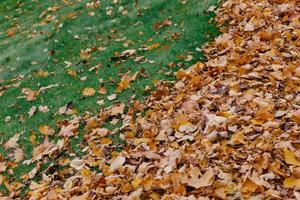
(12, 142)
(30, 94)
(102, 90)
(290, 158)
(43, 109)
(42, 149)
(46, 130)
(117, 162)
(112, 97)
(2, 166)
(205, 180)
(249, 187)
(296, 116)
(291, 182)
(32, 111)
(69, 130)
(125, 81)
(18, 155)
(117, 109)
(77, 164)
(88, 92)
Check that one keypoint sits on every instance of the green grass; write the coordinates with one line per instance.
(25, 54)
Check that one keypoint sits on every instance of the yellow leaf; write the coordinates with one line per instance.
(290, 158)
(249, 187)
(46, 130)
(291, 182)
(106, 141)
(136, 183)
(125, 81)
(237, 138)
(88, 92)
(71, 72)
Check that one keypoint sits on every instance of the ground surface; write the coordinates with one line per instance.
(76, 55)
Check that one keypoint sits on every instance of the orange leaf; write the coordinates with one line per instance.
(46, 130)
(88, 92)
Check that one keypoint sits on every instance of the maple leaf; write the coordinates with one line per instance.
(125, 81)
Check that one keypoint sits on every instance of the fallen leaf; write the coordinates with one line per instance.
(43, 109)
(88, 92)
(290, 158)
(46, 130)
(296, 116)
(117, 162)
(42, 149)
(10, 32)
(30, 94)
(125, 81)
(69, 130)
(205, 180)
(291, 182)
(12, 142)
(112, 97)
(2, 166)
(31, 111)
(102, 90)
(117, 109)
(249, 187)
(18, 155)
(77, 164)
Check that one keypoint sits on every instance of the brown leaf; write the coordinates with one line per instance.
(46, 130)
(18, 155)
(102, 90)
(125, 81)
(205, 180)
(69, 130)
(117, 162)
(30, 94)
(117, 109)
(12, 142)
(42, 149)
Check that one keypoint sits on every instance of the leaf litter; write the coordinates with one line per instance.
(226, 129)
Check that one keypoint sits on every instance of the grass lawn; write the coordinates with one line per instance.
(76, 52)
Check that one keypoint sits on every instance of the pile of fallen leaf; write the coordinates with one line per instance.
(228, 128)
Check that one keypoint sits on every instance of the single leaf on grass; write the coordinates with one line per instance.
(88, 92)
(31, 111)
(46, 130)
(18, 155)
(30, 94)
(102, 90)
(125, 81)
(12, 142)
